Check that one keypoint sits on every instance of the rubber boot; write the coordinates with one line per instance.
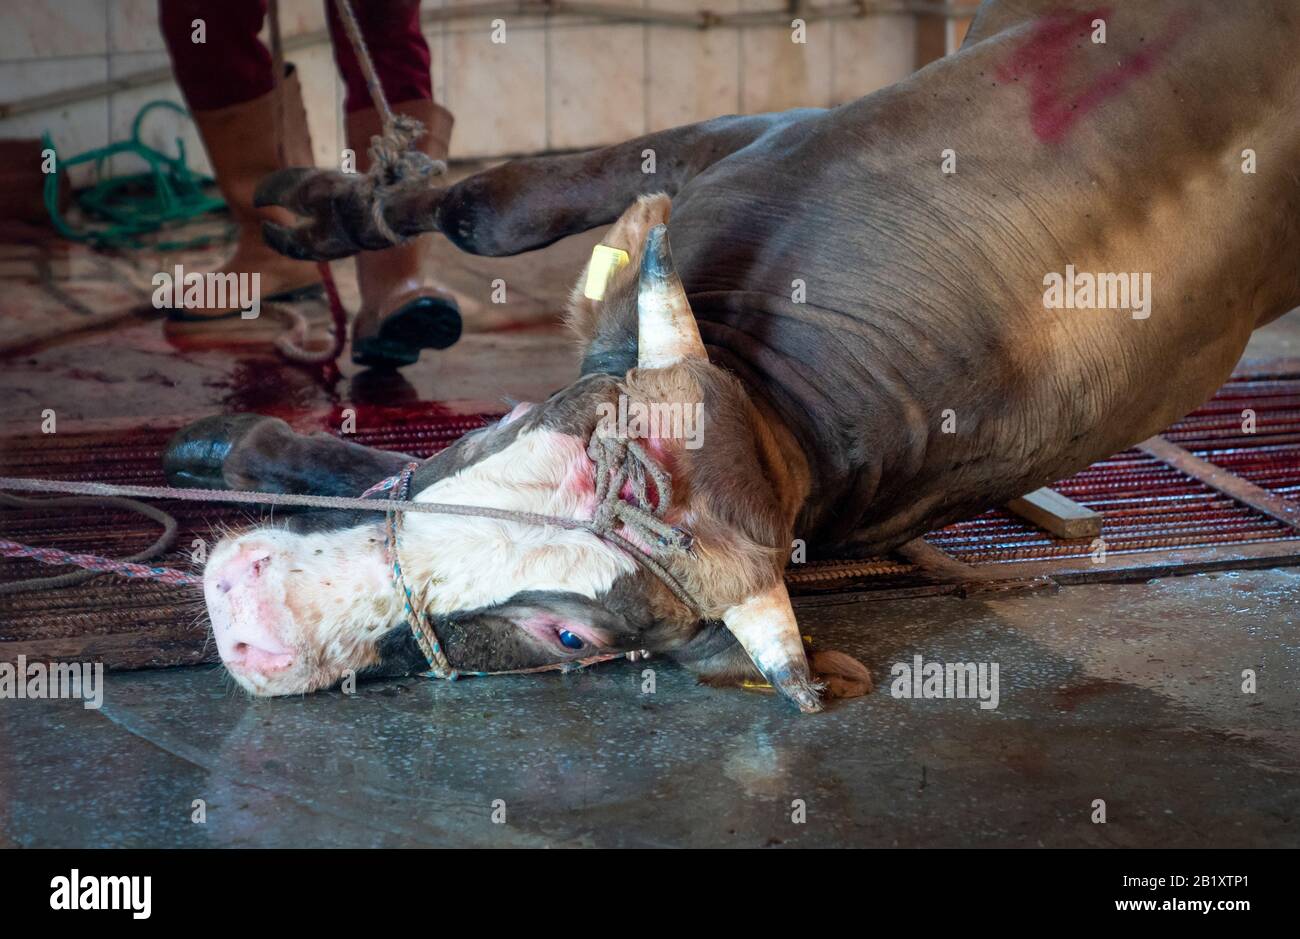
(243, 146)
(404, 308)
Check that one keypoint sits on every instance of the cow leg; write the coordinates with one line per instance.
(515, 207)
(264, 454)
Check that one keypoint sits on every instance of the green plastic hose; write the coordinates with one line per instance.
(167, 195)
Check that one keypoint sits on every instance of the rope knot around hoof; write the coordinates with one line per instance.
(395, 166)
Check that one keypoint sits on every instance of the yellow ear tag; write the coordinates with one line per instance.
(604, 262)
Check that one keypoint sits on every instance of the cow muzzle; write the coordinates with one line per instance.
(248, 624)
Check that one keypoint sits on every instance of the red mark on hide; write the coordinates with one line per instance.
(1045, 59)
(628, 494)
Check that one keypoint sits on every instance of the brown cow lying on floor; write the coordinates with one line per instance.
(876, 354)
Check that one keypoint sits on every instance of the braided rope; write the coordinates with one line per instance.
(418, 617)
(97, 564)
(94, 565)
(622, 462)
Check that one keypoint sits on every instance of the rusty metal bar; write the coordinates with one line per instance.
(1245, 492)
(970, 580)
(1119, 568)
(1143, 565)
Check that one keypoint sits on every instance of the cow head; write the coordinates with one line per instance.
(298, 605)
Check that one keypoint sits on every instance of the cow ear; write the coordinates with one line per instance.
(765, 627)
(666, 330)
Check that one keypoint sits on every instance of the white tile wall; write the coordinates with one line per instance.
(76, 127)
(554, 84)
(497, 91)
(691, 74)
(162, 125)
(133, 26)
(43, 29)
(870, 53)
(596, 85)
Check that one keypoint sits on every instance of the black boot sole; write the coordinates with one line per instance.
(423, 323)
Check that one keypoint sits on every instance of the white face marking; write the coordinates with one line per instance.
(469, 563)
(292, 612)
(322, 601)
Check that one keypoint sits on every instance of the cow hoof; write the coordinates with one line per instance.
(196, 454)
(842, 675)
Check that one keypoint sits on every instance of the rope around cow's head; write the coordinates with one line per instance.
(617, 464)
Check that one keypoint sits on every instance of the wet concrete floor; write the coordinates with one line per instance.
(1130, 694)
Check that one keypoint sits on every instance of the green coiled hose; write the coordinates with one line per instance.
(168, 194)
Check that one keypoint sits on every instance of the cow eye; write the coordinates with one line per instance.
(569, 640)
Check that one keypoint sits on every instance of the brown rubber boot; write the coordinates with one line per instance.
(404, 308)
(243, 146)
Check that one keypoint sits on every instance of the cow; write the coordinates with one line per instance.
(874, 304)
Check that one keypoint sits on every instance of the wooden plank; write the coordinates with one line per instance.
(1060, 515)
(1218, 478)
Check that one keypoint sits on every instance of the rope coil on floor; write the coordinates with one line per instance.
(92, 565)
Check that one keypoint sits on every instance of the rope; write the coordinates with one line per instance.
(418, 618)
(91, 562)
(624, 461)
(93, 565)
(293, 344)
(169, 192)
(395, 164)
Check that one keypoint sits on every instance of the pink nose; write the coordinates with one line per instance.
(247, 642)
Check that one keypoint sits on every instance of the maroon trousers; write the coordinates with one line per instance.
(234, 66)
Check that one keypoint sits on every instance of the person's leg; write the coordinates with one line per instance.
(230, 65)
(227, 82)
(403, 306)
(391, 29)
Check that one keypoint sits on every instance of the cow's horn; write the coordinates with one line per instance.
(666, 330)
(765, 625)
